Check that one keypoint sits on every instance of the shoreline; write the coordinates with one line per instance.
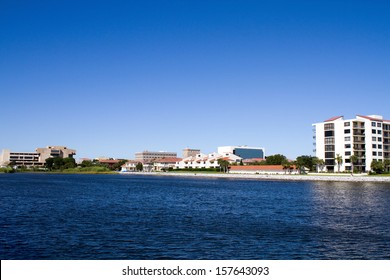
(273, 177)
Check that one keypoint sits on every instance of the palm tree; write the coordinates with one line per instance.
(286, 166)
(223, 164)
(386, 164)
(339, 161)
(354, 159)
(321, 164)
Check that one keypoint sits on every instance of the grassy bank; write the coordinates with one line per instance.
(76, 170)
(7, 170)
(88, 170)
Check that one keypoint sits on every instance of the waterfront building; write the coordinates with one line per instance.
(37, 158)
(187, 152)
(129, 166)
(244, 152)
(206, 161)
(54, 151)
(19, 158)
(165, 164)
(366, 137)
(148, 156)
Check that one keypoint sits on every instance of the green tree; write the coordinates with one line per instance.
(223, 165)
(377, 166)
(287, 166)
(58, 163)
(307, 162)
(277, 159)
(339, 161)
(354, 159)
(118, 166)
(86, 163)
(320, 164)
(386, 165)
(68, 163)
(49, 163)
(139, 166)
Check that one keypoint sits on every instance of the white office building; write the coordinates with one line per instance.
(367, 137)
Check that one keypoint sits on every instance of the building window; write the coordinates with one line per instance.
(379, 124)
(329, 140)
(374, 146)
(379, 146)
(380, 154)
(329, 133)
(329, 148)
(329, 126)
(347, 124)
(373, 138)
(380, 139)
(346, 131)
(379, 131)
(347, 146)
(347, 138)
(374, 153)
(329, 155)
(347, 153)
(374, 131)
(373, 124)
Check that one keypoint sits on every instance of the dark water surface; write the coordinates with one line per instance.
(47, 216)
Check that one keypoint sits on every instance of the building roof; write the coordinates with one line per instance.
(167, 160)
(334, 118)
(371, 118)
(109, 161)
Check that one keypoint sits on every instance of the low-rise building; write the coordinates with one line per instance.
(32, 159)
(165, 164)
(129, 166)
(19, 158)
(206, 160)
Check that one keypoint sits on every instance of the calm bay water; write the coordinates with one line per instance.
(47, 216)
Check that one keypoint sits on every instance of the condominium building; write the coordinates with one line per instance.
(244, 152)
(34, 159)
(367, 137)
(147, 156)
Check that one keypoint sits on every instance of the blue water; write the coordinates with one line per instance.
(47, 216)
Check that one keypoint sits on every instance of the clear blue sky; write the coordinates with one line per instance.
(110, 78)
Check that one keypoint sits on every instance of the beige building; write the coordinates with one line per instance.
(38, 158)
(19, 158)
(147, 156)
(187, 152)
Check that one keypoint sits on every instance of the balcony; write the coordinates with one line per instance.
(358, 132)
(358, 139)
(359, 147)
(358, 125)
